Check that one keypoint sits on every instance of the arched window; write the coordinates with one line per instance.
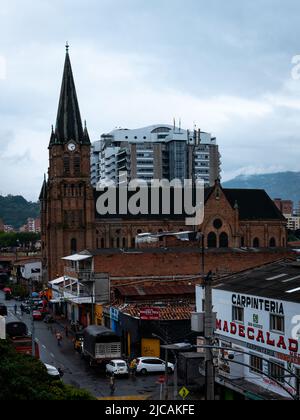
(212, 240)
(102, 243)
(224, 241)
(118, 242)
(242, 241)
(124, 242)
(256, 243)
(73, 246)
(132, 243)
(272, 243)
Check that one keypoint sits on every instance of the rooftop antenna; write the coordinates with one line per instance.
(180, 125)
(67, 47)
(174, 123)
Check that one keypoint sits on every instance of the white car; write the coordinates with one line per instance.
(117, 367)
(52, 371)
(147, 365)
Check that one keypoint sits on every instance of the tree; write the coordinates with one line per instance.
(24, 378)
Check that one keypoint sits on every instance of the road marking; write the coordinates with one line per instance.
(52, 355)
(44, 347)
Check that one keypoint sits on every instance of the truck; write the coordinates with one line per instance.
(100, 345)
(17, 334)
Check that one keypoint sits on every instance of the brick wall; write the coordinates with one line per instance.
(185, 262)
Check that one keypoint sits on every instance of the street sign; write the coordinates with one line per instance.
(162, 380)
(184, 393)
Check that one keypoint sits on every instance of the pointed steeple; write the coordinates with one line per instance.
(43, 193)
(68, 122)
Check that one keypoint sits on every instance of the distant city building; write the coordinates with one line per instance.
(8, 228)
(293, 222)
(32, 226)
(285, 206)
(291, 214)
(156, 152)
(1, 226)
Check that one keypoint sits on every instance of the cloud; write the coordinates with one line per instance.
(226, 67)
(3, 68)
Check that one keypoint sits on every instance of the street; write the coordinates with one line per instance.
(76, 371)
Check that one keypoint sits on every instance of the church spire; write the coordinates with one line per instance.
(68, 122)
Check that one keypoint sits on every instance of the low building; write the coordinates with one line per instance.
(27, 271)
(258, 318)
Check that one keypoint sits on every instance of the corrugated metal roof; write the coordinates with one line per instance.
(156, 290)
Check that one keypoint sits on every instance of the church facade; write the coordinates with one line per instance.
(233, 218)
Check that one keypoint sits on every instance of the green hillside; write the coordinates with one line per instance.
(15, 210)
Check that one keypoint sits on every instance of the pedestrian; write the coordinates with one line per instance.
(22, 309)
(16, 309)
(112, 384)
(59, 339)
(133, 368)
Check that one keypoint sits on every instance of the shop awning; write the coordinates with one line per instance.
(57, 281)
(77, 257)
(79, 300)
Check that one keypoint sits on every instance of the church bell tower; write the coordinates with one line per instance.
(67, 199)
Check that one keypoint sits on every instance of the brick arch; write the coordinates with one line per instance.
(227, 228)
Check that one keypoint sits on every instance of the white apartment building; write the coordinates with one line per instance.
(156, 152)
(293, 222)
(258, 313)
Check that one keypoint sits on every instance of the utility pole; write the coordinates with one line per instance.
(209, 329)
(167, 376)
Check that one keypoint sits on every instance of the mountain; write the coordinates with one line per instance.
(285, 185)
(15, 210)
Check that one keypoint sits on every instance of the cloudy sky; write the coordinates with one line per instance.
(225, 66)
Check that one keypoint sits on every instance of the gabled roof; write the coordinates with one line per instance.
(253, 204)
(68, 123)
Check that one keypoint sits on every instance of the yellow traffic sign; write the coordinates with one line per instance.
(184, 392)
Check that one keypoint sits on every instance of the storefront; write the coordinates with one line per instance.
(262, 326)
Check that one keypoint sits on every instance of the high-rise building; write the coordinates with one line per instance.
(156, 152)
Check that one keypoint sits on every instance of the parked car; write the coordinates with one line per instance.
(37, 315)
(147, 365)
(53, 372)
(118, 368)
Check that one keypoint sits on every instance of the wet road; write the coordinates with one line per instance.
(77, 372)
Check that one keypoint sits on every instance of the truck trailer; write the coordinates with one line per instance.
(100, 345)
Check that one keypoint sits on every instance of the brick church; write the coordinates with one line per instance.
(233, 218)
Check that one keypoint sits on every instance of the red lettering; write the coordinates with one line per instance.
(260, 337)
(233, 329)
(219, 325)
(269, 341)
(226, 329)
(281, 343)
(242, 331)
(250, 333)
(293, 346)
